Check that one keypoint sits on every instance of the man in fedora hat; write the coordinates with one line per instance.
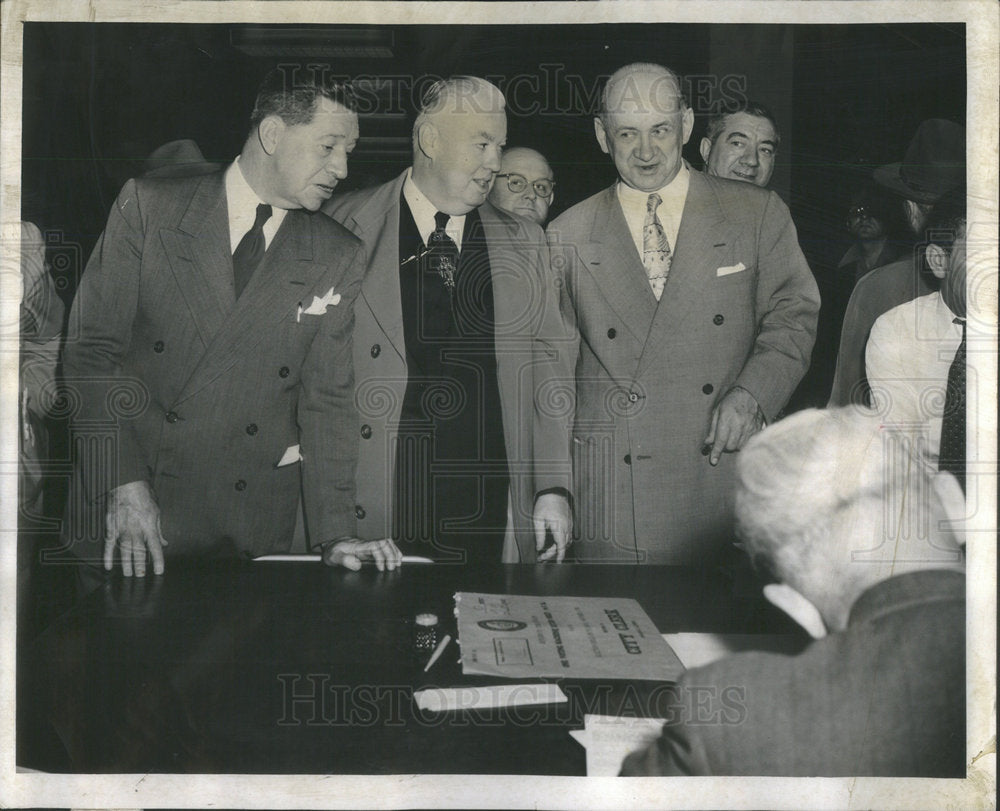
(180, 158)
(934, 164)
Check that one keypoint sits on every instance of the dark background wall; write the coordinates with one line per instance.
(98, 98)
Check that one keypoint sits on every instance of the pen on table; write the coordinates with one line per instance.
(437, 652)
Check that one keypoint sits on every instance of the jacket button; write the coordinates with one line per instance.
(240, 485)
(283, 371)
(708, 388)
(158, 347)
(612, 333)
(366, 431)
(252, 428)
(633, 397)
(376, 350)
(718, 320)
(172, 417)
(706, 450)
(359, 511)
(628, 459)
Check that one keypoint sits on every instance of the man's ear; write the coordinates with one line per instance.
(783, 596)
(705, 148)
(687, 123)
(427, 139)
(602, 135)
(269, 132)
(937, 260)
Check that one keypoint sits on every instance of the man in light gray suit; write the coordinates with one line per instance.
(696, 313)
(209, 354)
(463, 446)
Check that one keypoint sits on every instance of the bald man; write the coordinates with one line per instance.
(455, 458)
(696, 314)
(524, 185)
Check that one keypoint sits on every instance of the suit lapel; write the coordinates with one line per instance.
(700, 250)
(286, 278)
(614, 264)
(199, 257)
(377, 224)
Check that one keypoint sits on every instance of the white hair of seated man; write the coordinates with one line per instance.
(833, 502)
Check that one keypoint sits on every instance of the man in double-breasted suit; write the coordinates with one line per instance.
(696, 314)
(456, 332)
(209, 353)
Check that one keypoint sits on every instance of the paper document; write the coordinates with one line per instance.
(577, 637)
(608, 739)
(695, 650)
(441, 699)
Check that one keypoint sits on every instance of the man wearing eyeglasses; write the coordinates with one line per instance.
(524, 185)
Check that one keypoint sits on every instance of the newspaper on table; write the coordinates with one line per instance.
(519, 636)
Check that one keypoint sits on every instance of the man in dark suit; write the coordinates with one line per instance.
(859, 538)
(209, 353)
(457, 329)
(696, 313)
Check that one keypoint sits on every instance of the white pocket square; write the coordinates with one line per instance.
(728, 269)
(319, 304)
(290, 456)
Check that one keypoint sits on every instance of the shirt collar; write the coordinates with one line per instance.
(242, 202)
(423, 211)
(673, 194)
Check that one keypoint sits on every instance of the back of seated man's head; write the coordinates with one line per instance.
(831, 502)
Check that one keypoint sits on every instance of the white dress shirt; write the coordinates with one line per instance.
(242, 202)
(633, 203)
(907, 359)
(423, 211)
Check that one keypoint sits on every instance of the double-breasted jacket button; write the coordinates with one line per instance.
(612, 333)
(366, 431)
(284, 371)
(628, 459)
(252, 429)
(376, 350)
(718, 320)
(359, 511)
(708, 388)
(240, 485)
(158, 347)
(172, 417)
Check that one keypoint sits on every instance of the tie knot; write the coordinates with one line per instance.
(441, 220)
(263, 215)
(653, 202)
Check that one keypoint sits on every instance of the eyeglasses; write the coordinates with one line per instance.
(518, 183)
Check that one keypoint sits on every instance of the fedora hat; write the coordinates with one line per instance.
(180, 158)
(934, 163)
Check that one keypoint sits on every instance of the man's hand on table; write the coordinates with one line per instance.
(132, 523)
(735, 419)
(351, 553)
(552, 513)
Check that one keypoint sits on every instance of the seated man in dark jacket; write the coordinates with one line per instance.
(859, 542)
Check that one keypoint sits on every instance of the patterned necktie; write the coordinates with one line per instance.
(951, 455)
(443, 252)
(655, 248)
(250, 251)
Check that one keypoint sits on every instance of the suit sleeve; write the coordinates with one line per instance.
(328, 419)
(555, 389)
(787, 304)
(99, 334)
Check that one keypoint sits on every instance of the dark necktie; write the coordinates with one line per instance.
(443, 252)
(251, 249)
(951, 456)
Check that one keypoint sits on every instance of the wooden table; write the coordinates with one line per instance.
(292, 667)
